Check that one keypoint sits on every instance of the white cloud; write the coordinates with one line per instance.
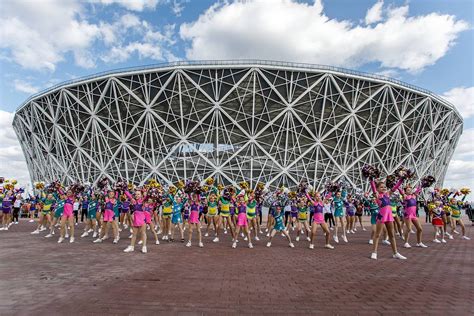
(133, 5)
(374, 14)
(38, 36)
(12, 161)
(463, 99)
(178, 6)
(292, 31)
(24, 86)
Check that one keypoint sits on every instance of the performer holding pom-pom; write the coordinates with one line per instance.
(279, 226)
(384, 217)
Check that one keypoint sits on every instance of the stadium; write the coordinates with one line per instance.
(274, 122)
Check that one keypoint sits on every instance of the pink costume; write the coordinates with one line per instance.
(138, 214)
(383, 200)
(410, 204)
(318, 216)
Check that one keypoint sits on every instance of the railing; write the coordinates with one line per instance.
(243, 62)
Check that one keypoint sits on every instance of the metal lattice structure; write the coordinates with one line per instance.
(256, 121)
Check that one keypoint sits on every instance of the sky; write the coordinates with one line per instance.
(427, 43)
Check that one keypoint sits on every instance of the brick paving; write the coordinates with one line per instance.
(40, 277)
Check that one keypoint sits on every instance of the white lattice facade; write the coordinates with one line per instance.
(269, 122)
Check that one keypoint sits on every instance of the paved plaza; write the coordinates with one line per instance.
(40, 277)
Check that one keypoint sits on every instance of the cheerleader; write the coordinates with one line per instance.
(58, 207)
(148, 208)
(302, 219)
(293, 215)
(241, 222)
(176, 218)
(409, 215)
(318, 219)
(91, 225)
(252, 214)
(359, 213)
(384, 217)
(394, 203)
(350, 214)
(279, 227)
(30, 207)
(125, 212)
(110, 214)
(212, 216)
(138, 222)
(45, 213)
(7, 204)
(166, 213)
(225, 206)
(67, 216)
(437, 222)
(338, 203)
(456, 218)
(194, 223)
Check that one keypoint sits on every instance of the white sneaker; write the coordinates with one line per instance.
(447, 234)
(234, 245)
(386, 242)
(437, 241)
(364, 229)
(129, 249)
(451, 237)
(94, 235)
(42, 228)
(225, 231)
(98, 240)
(71, 240)
(201, 245)
(215, 239)
(352, 231)
(31, 221)
(140, 242)
(157, 242)
(245, 238)
(250, 245)
(269, 244)
(308, 239)
(90, 230)
(373, 256)
(60, 240)
(412, 231)
(407, 245)
(336, 239)
(188, 244)
(144, 250)
(84, 234)
(48, 236)
(206, 234)
(345, 239)
(36, 232)
(443, 241)
(371, 242)
(256, 238)
(130, 237)
(67, 235)
(348, 232)
(311, 246)
(328, 246)
(456, 232)
(466, 238)
(115, 240)
(399, 256)
(291, 245)
(421, 245)
(2, 228)
(16, 223)
(297, 238)
(76, 224)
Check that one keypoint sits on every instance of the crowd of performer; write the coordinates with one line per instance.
(190, 209)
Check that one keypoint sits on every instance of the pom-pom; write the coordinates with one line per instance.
(444, 192)
(390, 181)
(302, 188)
(431, 206)
(404, 173)
(8, 186)
(244, 185)
(180, 184)
(121, 185)
(220, 187)
(427, 181)
(447, 208)
(192, 187)
(209, 181)
(77, 188)
(14, 182)
(260, 186)
(332, 187)
(172, 190)
(465, 191)
(2, 179)
(292, 195)
(371, 172)
(102, 183)
(39, 185)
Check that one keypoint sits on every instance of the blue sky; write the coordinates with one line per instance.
(428, 43)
